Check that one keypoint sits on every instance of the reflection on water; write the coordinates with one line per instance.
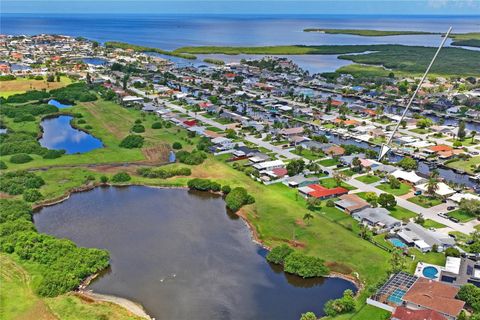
(58, 134)
(182, 256)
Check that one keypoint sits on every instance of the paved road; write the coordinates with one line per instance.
(278, 150)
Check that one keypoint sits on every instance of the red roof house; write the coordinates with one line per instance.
(321, 192)
(402, 313)
(190, 123)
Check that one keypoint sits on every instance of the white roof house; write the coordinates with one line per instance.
(411, 176)
(457, 197)
(416, 235)
(443, 189)
(269, 165)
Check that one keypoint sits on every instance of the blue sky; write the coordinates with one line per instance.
(385, 7)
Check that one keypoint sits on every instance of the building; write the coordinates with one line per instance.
(269, 165)
(377, 218)
(443, 189)
(299, 181)
(409, 177)
(402, 313)
(320, 192)
(417, 236)
(426, 294)
(351, 203)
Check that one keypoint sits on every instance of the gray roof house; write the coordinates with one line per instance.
(377, 217)
(417, 236)
(299, 181)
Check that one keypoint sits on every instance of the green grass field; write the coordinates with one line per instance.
(331, 183)
(433, 224)
(328, 162)
(404, 189)
(424, 201)
(366, 32)
(465, 165)
(368, 179)
(461, 216)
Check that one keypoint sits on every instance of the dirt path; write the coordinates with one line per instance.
(131, 306)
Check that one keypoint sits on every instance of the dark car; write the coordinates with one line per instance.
(454, 219)
(450, 208)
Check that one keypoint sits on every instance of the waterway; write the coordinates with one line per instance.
(58, 134)
(183, 256)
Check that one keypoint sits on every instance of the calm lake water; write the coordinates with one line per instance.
(183, 256)
(58, 104)
(58, 134)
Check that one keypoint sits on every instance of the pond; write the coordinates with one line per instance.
(58, 104)
(59, 134)
(183, 256)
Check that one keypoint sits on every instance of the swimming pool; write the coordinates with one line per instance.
(397, 296)
(397, 243)
(430, 272)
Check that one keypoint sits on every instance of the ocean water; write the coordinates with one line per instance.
(173, 31)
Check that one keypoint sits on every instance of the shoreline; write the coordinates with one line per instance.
(254, 236)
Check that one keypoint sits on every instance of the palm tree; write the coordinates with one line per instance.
(432, 185)
(339, 177)
(307, 217)
(473, 134)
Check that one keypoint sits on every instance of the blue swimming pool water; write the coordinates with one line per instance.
(58, 104)
(430, 272)
(397, 243)
(396, 296)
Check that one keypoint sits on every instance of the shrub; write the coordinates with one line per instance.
(53, 154)
(138, 128)
(163, 173)
(88, 127)
(278, 254)
(132, 141)
(452, 252)
(237, 198)
(32, 195)
(192, 158)
(203, 185)
(81, 121)
(121, 177)
(308, 316)
(138, 121)
(20, 158)
(226, 189)
(345, 304)
(103, 179)
(177, 145)
(15, 182)
(157, 125)
(3, 165)
(330, 203)
(304, 266)
(471, 295)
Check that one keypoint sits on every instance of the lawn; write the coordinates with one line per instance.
(433, 224)
(402, 213)
(20, 85)
(330, 162)
(404, 189)
(348, 172)
(424, 201)
(368, 179)
(420, 131)
(467, 142)
(331, 183)
(461, 215)
(467, 166)
(309, 154)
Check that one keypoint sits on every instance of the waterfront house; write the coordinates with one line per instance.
(334, 151)
(443, 190)
(377, 218)
(351, 203)
(320, 192)
(409, 177)
(427, 294)
(403, 313)
(417, 236)
(269, 165)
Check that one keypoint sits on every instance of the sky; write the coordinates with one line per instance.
(382, 7)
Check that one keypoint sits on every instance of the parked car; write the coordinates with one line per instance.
(450, 208)
(417, 193)
(443, 215)
(454, 219)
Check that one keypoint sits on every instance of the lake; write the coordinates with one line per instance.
(58, 104)
(183, 256)
(59, 134)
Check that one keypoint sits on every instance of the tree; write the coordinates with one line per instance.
(356, 164)
(470, 206)
(313, 203)
(387, 200)
(461, 131)
(339, 177)
(394, 182)
(278, 254)
(177, 145)
(372, 198)
(308, 217)
(473, 134)
(295, 167)
(397, 261)
(408, 163)
(308, 316)
(432, 185)
(299, 149)
(471, 295)
(452, 252)
(424, 123)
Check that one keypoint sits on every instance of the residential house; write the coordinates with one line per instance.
(417, 236)
(409, 177)
(351, 203)
(334, 151)
(320, 192)
(377, 218)
(269, 165)
(443, 190)
(427, 294)
(402, 313)
(300, 181)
